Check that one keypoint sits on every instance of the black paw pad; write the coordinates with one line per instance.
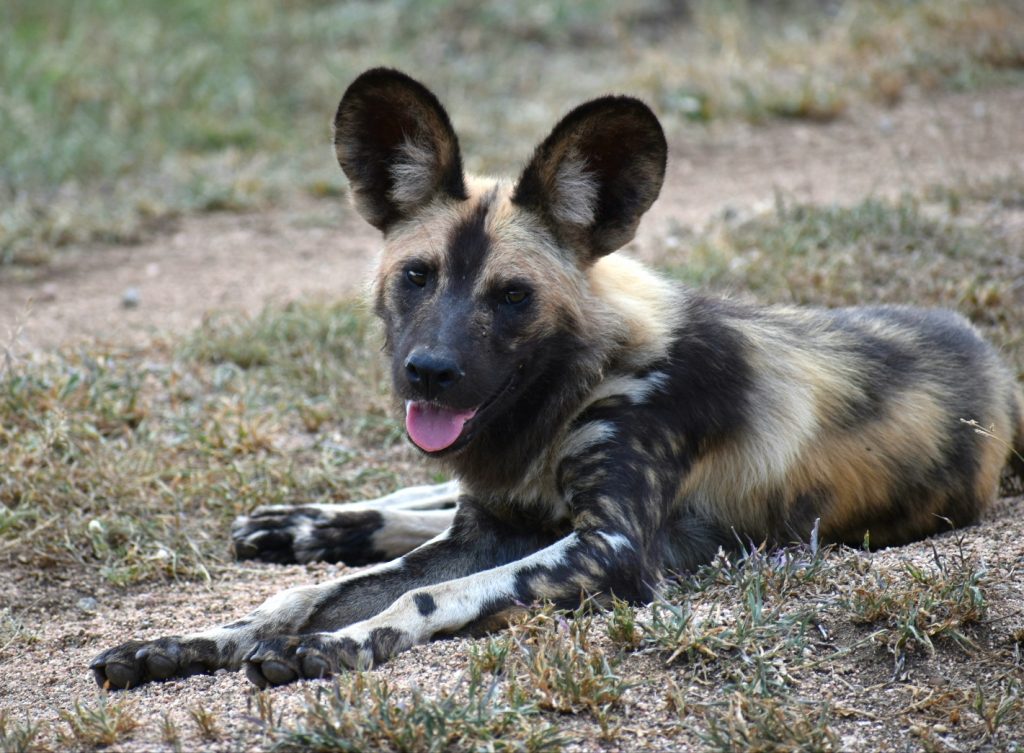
(285, 534)
(136, 662)
(279, 661)
(160, 664)
(118, 675)
(278, 672)
(118, 668)
(314, 665)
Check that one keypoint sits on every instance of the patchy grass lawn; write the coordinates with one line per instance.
(115, 116)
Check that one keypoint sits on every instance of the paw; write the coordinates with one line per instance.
(136, 662)
(286, 534)
(283, 660)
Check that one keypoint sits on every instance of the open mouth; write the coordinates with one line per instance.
(434, 428)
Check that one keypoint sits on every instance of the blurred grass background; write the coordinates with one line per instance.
(117, 115)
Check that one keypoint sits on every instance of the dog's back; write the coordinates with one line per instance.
(857, 417)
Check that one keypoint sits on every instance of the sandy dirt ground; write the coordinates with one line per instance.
(242, 261)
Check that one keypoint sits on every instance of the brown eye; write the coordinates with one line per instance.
(417, 277)
(516, 295)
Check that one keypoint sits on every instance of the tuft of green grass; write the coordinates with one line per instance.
(985, 715)
(998, 704)
(206, 723)
(748, 632)
(547, 662)
(555, 662)
(921, 605)
(751, 627)
(103, 724)
(623, 629)
(364, 712)
(755, 725)
(169, 731)
(20, 737)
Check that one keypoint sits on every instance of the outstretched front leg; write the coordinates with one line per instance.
(476, 541)
(581, 563)
(356, 533)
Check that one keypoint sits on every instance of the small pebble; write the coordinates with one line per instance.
(48, 292)
(87, 604)
(130, 298)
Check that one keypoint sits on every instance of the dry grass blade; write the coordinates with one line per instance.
(99, 725)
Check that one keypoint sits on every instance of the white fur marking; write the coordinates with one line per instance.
(413, 173)
(410, 498)
(404, 530)
(586, 437)
(575, 192)
(616, 540)
(302, 535)
(635, 389)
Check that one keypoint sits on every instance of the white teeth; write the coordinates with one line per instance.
(408, 405)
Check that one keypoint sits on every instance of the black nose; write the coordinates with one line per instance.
(430, 374)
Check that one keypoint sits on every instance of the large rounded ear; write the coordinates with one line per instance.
(396, 145)
(597, 173)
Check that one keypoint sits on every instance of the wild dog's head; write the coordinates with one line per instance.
(483, 285)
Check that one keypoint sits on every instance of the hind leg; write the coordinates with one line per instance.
(356, 533)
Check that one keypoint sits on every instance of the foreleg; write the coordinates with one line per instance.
(356, 533)
(475, 542)
(582, 563)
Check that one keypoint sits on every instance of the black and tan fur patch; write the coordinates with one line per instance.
(602, 424)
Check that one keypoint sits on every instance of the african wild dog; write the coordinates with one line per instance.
(604, 424)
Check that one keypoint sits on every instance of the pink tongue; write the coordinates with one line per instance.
(433, 428)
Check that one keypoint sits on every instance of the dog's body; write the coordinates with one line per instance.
(604, 425)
